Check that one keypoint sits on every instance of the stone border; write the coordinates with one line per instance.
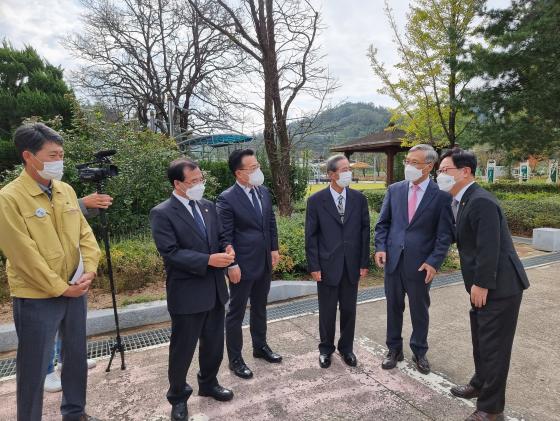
(135, 315)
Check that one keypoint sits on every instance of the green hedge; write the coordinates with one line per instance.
(525, 215)
(375, 199)
(291, 236)
(516, 187)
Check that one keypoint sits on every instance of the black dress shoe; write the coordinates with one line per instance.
(325, 360)
(390, 361)
(485, 416)
(349, 358)
(217, 392)
(83, 417)
(465, 391)
(179, 412)
(240, 369)
(266, 353)
(422, 364)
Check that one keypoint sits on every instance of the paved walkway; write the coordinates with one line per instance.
(298, 389)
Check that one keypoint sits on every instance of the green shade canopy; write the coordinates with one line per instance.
(216, 140)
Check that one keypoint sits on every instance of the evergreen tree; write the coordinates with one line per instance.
(29, 86)
(519, 101)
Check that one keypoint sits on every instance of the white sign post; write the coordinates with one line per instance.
(524, 172)
(490, 171)
(553, 171)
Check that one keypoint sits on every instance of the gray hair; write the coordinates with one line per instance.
(430, 154)
(332, 162)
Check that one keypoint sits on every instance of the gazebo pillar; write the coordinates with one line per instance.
(347, 154)
(390, 176)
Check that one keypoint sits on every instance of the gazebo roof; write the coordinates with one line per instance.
(375, 142)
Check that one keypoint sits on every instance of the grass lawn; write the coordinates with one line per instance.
(312, 188)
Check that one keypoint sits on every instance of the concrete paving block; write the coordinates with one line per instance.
(546, 239)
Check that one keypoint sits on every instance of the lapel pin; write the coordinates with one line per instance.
(40, 212)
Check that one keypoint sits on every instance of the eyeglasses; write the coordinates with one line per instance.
(415, 163)
(444, 170)
(195, 181)
(255, 168)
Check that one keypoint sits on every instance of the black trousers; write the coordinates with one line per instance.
(492, 330)
(345, 294)
(397, 284)
(36, 322)
(207, 329)
(240, 293)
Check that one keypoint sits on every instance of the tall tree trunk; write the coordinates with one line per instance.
(282, 162)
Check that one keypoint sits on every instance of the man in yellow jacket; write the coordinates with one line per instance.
(52, 258)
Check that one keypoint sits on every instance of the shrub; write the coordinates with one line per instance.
(524, 215)
(142, 157)
(291, 237)
(219, 170)
(505, 187)
(375, 199)
(136, 263)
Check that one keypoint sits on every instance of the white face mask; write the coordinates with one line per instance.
(256, 178)
(445, 182)
(53, 170)
(195, 192)
(344, 179)
(411, 173)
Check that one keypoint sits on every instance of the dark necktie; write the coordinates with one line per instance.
(340, 207)
(256, 204)
(455, 208)
(198, 219)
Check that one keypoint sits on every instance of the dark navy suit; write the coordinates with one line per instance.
(489, 260)
(196, 293)
(426, 239)
(253, 239)
(338, 249)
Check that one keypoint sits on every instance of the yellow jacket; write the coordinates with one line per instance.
(42, 239)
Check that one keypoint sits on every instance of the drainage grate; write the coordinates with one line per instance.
(102, 348)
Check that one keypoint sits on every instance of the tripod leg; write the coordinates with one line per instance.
(113, 350)
(123, 365)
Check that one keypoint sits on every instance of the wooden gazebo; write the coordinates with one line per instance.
(386, 141)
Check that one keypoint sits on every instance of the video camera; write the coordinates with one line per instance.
(104, 169)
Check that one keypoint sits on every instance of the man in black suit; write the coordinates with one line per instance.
(249, 225)
(494, 277)
(186, 232)
(412, 237)
(337, 236)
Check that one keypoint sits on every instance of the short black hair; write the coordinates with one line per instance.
(236, 157)
(33, 136)
(461, 159)
(176, 170)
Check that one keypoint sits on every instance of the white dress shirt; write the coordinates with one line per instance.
(459, 196)
(247, 191)
(336, 195)
(186, 204)
(420, 192)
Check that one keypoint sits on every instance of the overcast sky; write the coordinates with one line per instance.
(351, 26)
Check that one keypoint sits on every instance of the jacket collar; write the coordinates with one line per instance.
(32, 186)
(465, 198)
(186, 216)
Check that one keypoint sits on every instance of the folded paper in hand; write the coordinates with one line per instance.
(79, 272)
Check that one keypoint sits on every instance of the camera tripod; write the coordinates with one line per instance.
(117, 343)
